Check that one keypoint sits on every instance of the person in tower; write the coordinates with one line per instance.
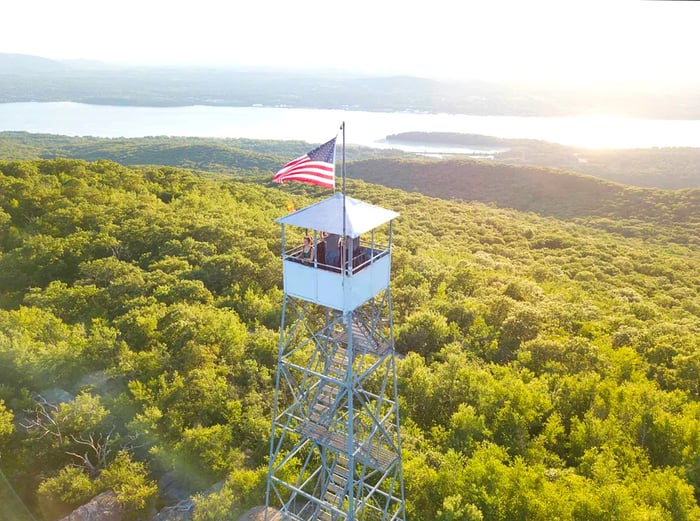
(321, 249)
(333, 250)
(307, 252)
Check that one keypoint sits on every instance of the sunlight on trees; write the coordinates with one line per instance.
(549, 368)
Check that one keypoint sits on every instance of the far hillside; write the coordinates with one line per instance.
(671, 168)
(212, 154)
(667, 168)
(643, 212)
(653, 214)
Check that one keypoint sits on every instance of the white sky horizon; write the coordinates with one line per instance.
(596, 42)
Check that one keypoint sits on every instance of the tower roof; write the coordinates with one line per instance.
(326, 215)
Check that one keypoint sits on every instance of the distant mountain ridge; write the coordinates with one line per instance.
(25, 63)
(23, 79)
(545, 191)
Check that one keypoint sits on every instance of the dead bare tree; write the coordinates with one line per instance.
(44, 421)
(94, 459)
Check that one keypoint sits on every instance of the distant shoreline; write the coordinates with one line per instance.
(30, 78)
(364, 128)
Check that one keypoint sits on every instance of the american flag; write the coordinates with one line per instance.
(316, 167)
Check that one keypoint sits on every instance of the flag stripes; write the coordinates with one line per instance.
(316, 167)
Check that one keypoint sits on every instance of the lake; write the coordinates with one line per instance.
(314, 126)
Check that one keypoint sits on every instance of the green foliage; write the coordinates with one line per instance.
(243, 489)
(83, 414)
(38, 350)
(423, 332)
(59, 495)
(129, 480)
(6, 422)
(550, 369)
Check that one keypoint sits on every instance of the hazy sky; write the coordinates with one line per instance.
(560, 40)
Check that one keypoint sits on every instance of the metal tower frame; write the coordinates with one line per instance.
(335, 447)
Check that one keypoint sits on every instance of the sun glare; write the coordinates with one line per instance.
(610, 132)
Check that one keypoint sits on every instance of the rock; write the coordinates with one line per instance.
(169, 490)
(180, 512)
(56, 395)
(258, 514)
(103, 507)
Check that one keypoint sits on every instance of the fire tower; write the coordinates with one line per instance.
(335, 449)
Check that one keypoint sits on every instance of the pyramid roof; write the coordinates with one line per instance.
(327, 216)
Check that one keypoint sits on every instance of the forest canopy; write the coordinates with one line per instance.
(549, 369)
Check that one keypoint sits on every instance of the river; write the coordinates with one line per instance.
(316, 125)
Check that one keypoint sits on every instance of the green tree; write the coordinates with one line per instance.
(59, 495)
(7, 426)
(243, 489)
(130, 480)
(424, 332)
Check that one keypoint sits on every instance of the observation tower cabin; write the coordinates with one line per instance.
(363, 266)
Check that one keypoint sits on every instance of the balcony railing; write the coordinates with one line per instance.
(364, 276)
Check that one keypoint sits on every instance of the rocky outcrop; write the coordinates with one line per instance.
(180, 512)
(103, 507)
(258, 514)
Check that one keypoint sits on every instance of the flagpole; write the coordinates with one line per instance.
(343, 253)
